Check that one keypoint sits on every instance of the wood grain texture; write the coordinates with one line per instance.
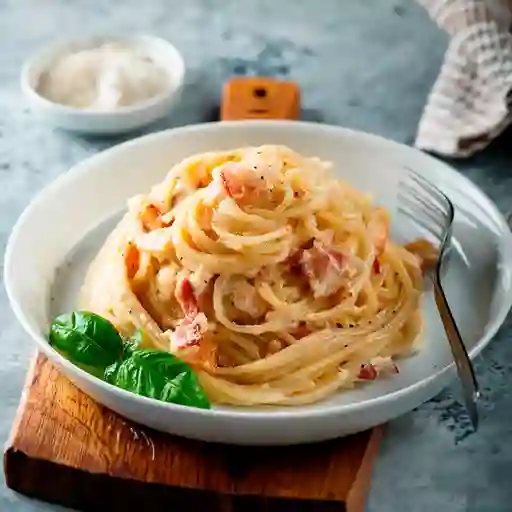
(65, 448)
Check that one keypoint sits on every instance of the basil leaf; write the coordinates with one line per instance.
(159, 375)
(132, 343)
(110, 373)
(93, 343)
(87, 340)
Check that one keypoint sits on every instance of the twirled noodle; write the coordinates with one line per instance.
(276, 282)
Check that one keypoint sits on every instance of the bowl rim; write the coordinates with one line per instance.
(82, 168)
(177, 74)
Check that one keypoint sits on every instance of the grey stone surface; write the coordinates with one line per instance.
(367, 65)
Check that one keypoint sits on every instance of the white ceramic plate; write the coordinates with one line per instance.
(58, 234)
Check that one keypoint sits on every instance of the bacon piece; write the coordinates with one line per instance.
(189, 332)
(378, 367)
(376, 266)
(237, 180)
(294, 263)
(368, 372)
(187, 299)
(197, 294)
(324, 268)
(131, 260)
(378, 229)
(245, 184)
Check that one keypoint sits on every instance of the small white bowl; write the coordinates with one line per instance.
(122, 119)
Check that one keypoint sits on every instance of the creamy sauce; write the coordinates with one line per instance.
(104, 78)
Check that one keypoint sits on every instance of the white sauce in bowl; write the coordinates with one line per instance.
(103, 78)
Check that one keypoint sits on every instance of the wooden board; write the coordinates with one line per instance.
(65, 448)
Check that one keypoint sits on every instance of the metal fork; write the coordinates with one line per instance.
(429, 208)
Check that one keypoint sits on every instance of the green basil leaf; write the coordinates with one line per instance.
(93, 343)
(110, 373)
(132, 343)
(162, 376)
(87, 340)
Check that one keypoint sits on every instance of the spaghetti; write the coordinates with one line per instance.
(275, 281)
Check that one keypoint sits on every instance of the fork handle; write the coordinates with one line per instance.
(462, 361)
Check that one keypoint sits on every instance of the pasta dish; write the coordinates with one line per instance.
(276, 282)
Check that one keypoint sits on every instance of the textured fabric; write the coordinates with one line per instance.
(470, 102)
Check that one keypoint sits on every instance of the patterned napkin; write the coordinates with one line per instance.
(470, 103)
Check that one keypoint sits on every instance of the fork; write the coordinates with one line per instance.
(429, 207)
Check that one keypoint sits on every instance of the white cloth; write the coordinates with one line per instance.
(470, 103)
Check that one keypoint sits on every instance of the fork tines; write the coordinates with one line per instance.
(425, 204)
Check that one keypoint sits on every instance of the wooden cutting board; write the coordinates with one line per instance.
(65, 448)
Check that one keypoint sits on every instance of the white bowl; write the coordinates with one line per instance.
(64, 221)
(121, 120)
